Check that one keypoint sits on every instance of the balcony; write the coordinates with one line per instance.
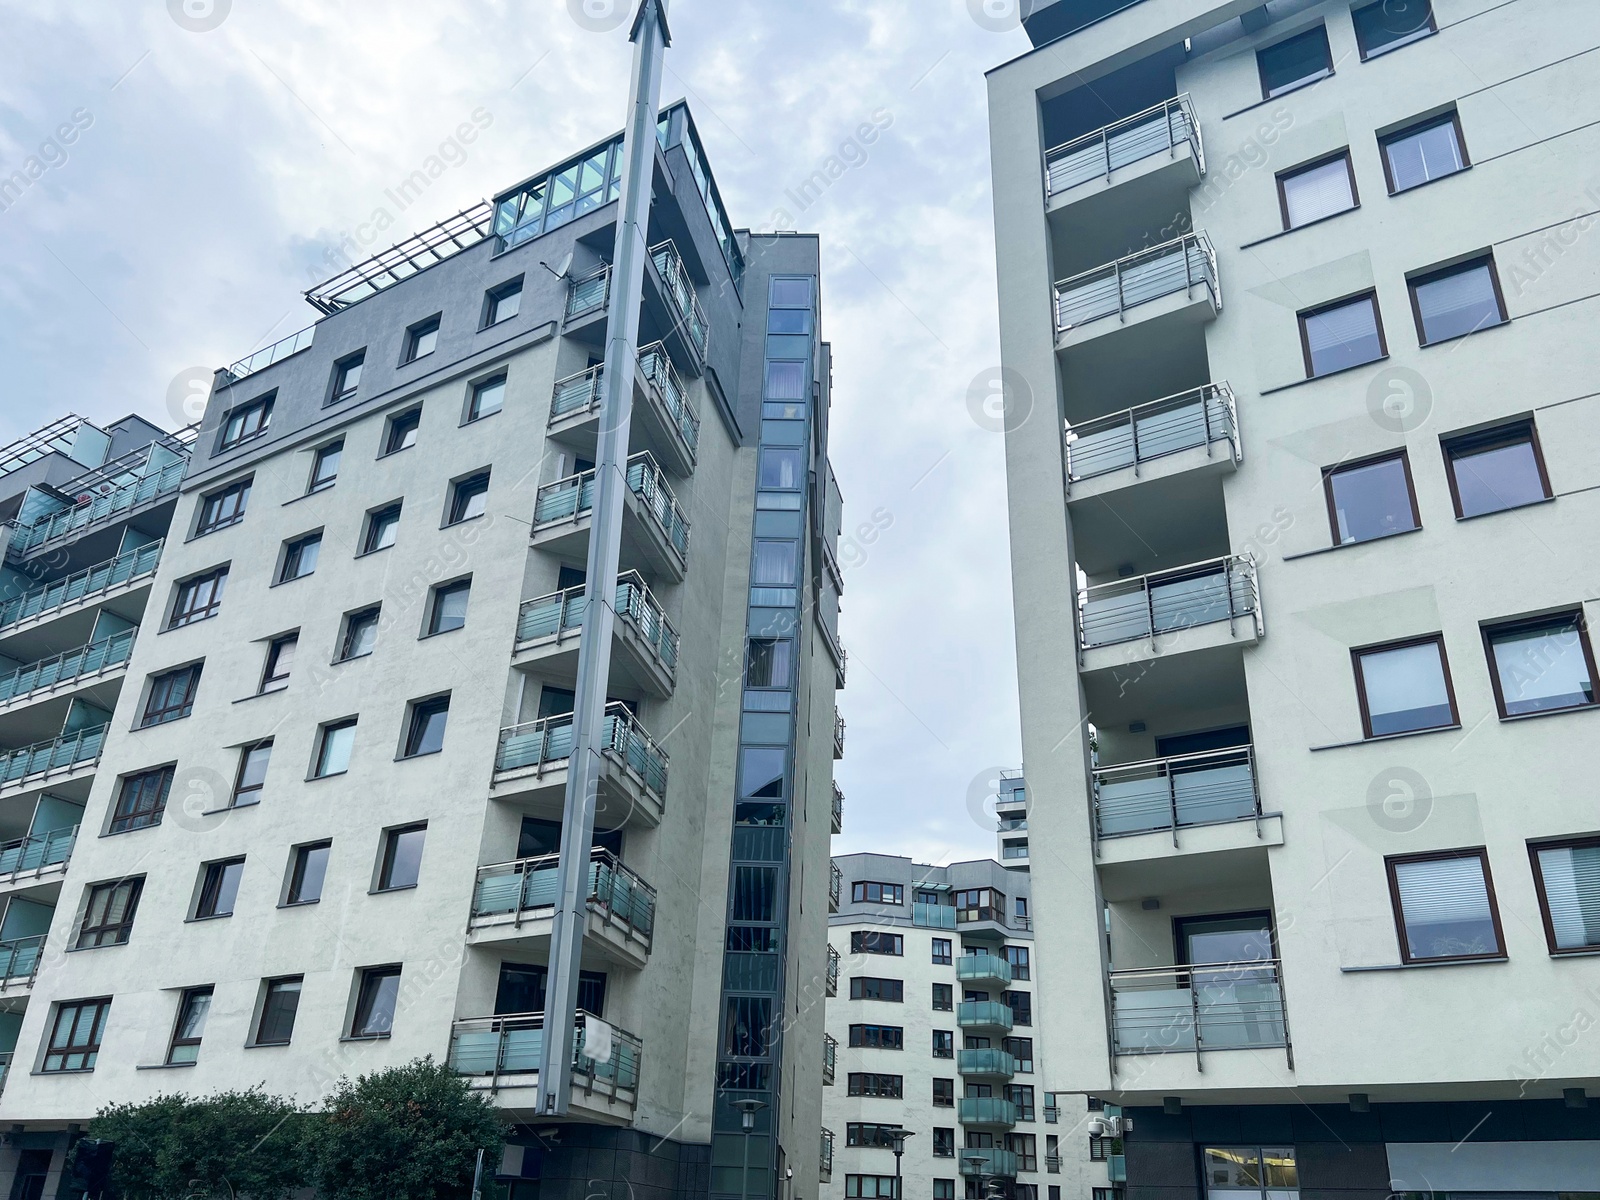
(501, 1055)
(1161, 606)
(91, 583)
(838, 809)
(988, 1160)
(277, 352)
(85, 663)
(932, 916)
(986, 1110)
(982, 969)
(36, 854)
(516, 901)
(58, 756)
(532, 759)
(576, 399)
(835, 886)
(108, 506)
(1127, 172)
(19, 961)
(986, 1063)
(1173, 282)
(1184, 791)
(830, 1057)
(825, 1164)
(1195, 1009)
(654, 528)
(984, 1016)
(831, 975)
(662, 412)
(1183, 432)
(838, 735)
(589, 294)
(688, 320)
(644, 642)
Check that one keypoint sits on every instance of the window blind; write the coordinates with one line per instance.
(1572, 891)
(1317, 192)
(1458, 303)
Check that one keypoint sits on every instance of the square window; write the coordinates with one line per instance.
(786, 381)
(1405, 687)
(789, 291)
(360, 634)
(279, 1004)
(383, 525)
(402, 858)
(300, 557)
(1456, 301)
(222, 508)
(280, 661)
(776, 563)
(469, 498)
(334, 743)
(193, 1008)
(171, 696)
(246, 422)
(347, 377)
(325, 466)
(421, 339)
(488, 398)
(1294, 61)
(448, 608)
(1444, 906)
(375, 1003)
(1496, 469)
(1421, 153)
(306, 875)
(1390, 24)
(198, 598)
(108, 913)
(402, 434)
(1371, 499)
(252, 774)
(141, 799)
(502, 303)
(219, 889)
(1542, 665)
(783, 468)
(1342, 335)
(1322, 189)
(1567, 878)
(425, 733)
(769, 663)
(75, 1036)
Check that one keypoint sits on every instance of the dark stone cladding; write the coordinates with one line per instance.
(595, 1162)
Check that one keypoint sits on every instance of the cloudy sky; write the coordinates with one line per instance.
(216, 150)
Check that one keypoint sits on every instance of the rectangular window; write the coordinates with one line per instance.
(1567, 878)
(300, 557)
(375, 1004)
(425, 733)
(944, 1093)
(881, 1037)
(1405, 687)
(945, 1189)
(944, 1143)
(402, 858)
(1021, 1007)
(776, 563)
(278, 1008)
(1308, 194)
(1456, 301)
(382, 526)
(1371, 499)
(325, 467)
(1541, 665)
(869, 1083)
(876, 941)
(360, 634)
(783, 468)
(1021, 1049)
(943, 997)
(246, 422)
(1444, 906)
(866, 892)
(1099, 1147)
(334, 743)
(502, 303)
(347, 377)
(869, 1133)
(488, 398)
(108, 914)
(280, 661)
(1021, 1094)
(75, 1037)
(308, 872)
(1018, 957)
(171, 696)
(944, 1043)
(1424, 152)
(141, 799)
(1294, 61)
(198, 598)
(1342, 335)
(869, 1187)
(469, 498)
(193, 1008)
(1388, 25)
(786, 381)
(864, 987)
(941, 951)
(1251, 1173)
(223, 508)
(769, 663)
(252, 774)
(219, 889)
(1496, 469)
(1025, 1146)
(448, 609)
(421, 340)
(402, 433)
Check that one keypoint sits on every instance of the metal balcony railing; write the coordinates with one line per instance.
(1215, 1006)
(988, 1060)
(989, 1160)
(591, 292)
(104, 507)
(831, 977)
(838, 734)
(546, 744)
(681, 289)
(986, 1110)
(510, 1045)
(658, 372)
(1052, 1114)
(1111, 290)
(573, 497)
(1220, 589)
(19, 959)
(983, 1014)
(276, 352)
(838, 809)
(826, 1161)
(5, 1068)
(36, 851)
(91, 581)
(1180, 791)
(58, 754)
(525, 885)
(835, 886)
(578, 393)
(1160, 128)
(830, 1057)
(560, 613)
(1198, 417)
(1052, 1163)
(88, 660)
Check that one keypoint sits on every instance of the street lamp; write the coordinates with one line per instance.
(975, 1166)
(748, 1108)
(898, 1137)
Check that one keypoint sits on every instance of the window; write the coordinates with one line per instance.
(347, 377)
(1021, 1007)
(382, 526)
(421, 340)
(769, 663)
(1496, 469)
(334, 743)
(1021, 1095)
(488, 398)
(469, 498)
(941, 951)
(75, 1036)
(1099, 1148)
(881, 1037)
(360, 634)
(877, 893)
(868, 1083)
(783, 468)
(306, 875)
(402, 858)
(280, 661)
(761, 772)
(776, 563)
(1567, 878)
(300, 557)
(864, 987)
(1444, 906)
(252, 774)
(944, 1189)
(1026, 1147)
(402, 433)
(944, 1143)
(198, 598)
(1308, 194)
(171, 696)
(869, 1187)
(278, 1006)
(1251, 1173)
(1020, 1049)
(1456, 301)
(944, 1043)
(1017, 956)
(325, 466)
(246, 422)
(1343, 335)
(219, 889)
(1404, 687)
(448, 609)
(141, 799)
(876, 941)
(1424, 152)
(108, 914)
(425, 733)
(375, 1003)
(502, 303)
(1541, 665)
(1389, 24)
(870, 1133)
(223, 508)
(944, 999)
(1371, 499)
(944, 1093)
(1293, 62)
(1022, 908)
(193, 1008)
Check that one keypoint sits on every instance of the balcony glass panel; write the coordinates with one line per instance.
(1233, 1006)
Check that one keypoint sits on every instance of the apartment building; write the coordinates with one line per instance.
(329, 813)
(1295, 302)
(932, 1048)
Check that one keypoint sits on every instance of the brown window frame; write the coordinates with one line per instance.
(1371, 295)
(1460, 268)
(94, 936)
(273, 679)
(215, 512)
(240, 788)
(1544, 899)
(368, 991)
(340, 387)
(318, 482)
(170, 710)
(396, 429)
(1291, 172)
(182, 617)
(261, 408)
(1436, 639)
(377, 519)
(213, 876)
(1453, 117)
(1415, 35)
(1495, 437)
(99, 1008)
(857, 1084)
(178, 1041)
(1518, 625)
(272, 987)
(1481, 853)
(1355, 464)
(1320, 28)
(146, 814)
(949, 1093)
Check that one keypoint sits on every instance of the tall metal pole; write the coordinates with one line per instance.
(649, 39)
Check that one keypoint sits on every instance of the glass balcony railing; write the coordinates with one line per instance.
(1215, 1006)
(1221, 589)
(573, 497)
(830, 1057)
(546, 743)
(1177, 792)
(1198, 417)
(986, 1110)
(1177, 266)
(658, 372)
(590, 294)
(74, 664)
(276, 352)
(92, 581)
(831, 977)
(36, 851)
(933, 916)
(681, 291)
(983, 1014)
(1159, 129)
(987, 1060)
(1117, 1168)
(578, 393)
(19, 958)
(989, 1160)
(104, 507)
(528, 884)
(58, 754)
(562, 612)
(981, 966)
(510, 1045)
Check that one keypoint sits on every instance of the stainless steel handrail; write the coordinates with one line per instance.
(1096, 154)
(1185, 420)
